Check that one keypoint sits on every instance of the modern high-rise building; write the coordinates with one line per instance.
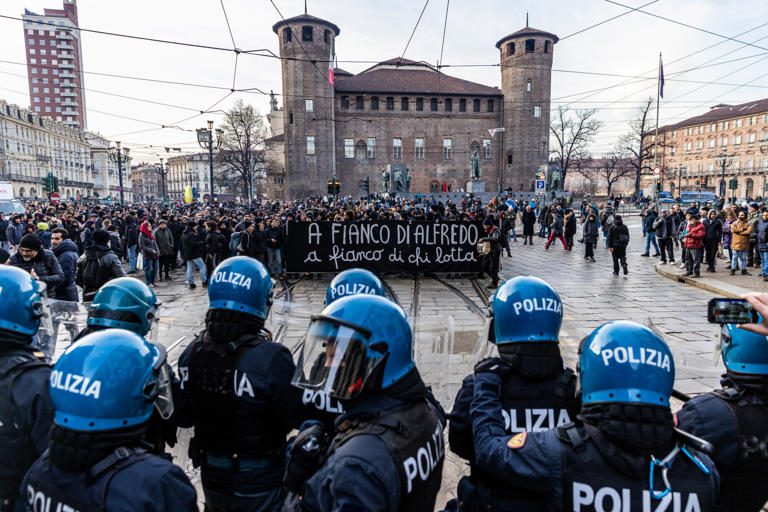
(55, 64)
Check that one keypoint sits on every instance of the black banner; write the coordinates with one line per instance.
(383, 246)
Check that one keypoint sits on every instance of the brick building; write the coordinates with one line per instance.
(691, 152)
(54, 64)
(409, 113)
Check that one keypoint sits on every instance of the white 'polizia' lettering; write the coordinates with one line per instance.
(635, 355)
(426, 459)
(345, 289)
(235, 278)
(608, 499)
(538, 304)
(74, 383)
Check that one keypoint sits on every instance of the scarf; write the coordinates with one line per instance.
(144, 229)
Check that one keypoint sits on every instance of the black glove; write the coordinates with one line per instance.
(493, 365)
(305, 455)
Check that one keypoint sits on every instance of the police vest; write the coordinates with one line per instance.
(527, 405)
(19, 452)
(413, 435)
(591, 484)
(232, 417)
(738, 491)
(49, 489)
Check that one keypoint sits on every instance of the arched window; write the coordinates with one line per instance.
(750, 188)
(287, 34)
(22, 192)
(511, 49)
(546, 46)
(434, 187)
(530, 45)
(306, 33)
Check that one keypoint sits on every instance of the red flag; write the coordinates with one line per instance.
(331, 78)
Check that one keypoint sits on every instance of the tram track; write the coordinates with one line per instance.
(471, 304)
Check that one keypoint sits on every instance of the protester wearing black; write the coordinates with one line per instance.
(65, 251)
(529, 222)
(591, 234)
(618, 239)
(97, 266)
(491, 251)
(40, 263)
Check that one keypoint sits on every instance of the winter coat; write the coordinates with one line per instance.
(659, 226)
(529, 222)
(114, 243)
(216, 244)
(570, 226)
(66, 253)
(649, 221)
(177, 230)
(131, 234)
(754, 219)
(762, 236)
(591, 231)
(740, 231)
(714, 230)
(164, 241)
(148, 247)
(695, 237)
(3, 228)
(618, 236)
(14, 232)
(45, 238)
(275, 234)
(45, 265)
(191, 246)
(727, 234)
(108, 267)
(557, 225)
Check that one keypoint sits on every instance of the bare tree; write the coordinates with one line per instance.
(245, 145)
(638, 143)
(614, 167)
(572, 131)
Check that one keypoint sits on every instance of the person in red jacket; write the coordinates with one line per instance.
(693, 241)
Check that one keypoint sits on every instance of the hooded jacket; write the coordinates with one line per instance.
(66, 253)
(45, 265)
(108, 268)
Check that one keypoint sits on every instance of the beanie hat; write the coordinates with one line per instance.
(100, 237)
(42, 226)
(31, 241)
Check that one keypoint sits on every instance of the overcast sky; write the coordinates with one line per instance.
(376, 30)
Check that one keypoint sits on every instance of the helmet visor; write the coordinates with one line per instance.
(160, 388)
(334, 359)
(44, 339)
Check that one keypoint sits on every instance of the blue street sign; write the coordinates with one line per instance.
(540, 184)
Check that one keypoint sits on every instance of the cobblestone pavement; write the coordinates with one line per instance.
(590, 293)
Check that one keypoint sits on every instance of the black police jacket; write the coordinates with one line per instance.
(736, 423)
(26, 414)
(527, 405)
(127, 480)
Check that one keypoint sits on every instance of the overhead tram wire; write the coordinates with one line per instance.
(416, 26)
(630, 11)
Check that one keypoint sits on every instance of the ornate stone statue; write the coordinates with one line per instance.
(272, 101)
(474, 164)
(384, 181)
(408, 183)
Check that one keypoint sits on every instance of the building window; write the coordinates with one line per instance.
(371, 147)
(433, 104)
(374, 103)
(490, 105)
(306, 33)
(462, 105)
(404, 104)
(360, 150)
(34, 61)
(290, 117)
(486, 149)
(724, 125)
(34, 71)
(419, 149)
(511, 49)
(530, 45)
(475, 105)
(724, 141)
(712, 143)
(287, 34)
(419, 104)
(737, 123)
(390, 103)
(397, 149)
(359, 103)
(447, 149)
(537, 111)
(35, 89)
(546, 46)
(529, 85)
(751, 137)
(345, 102)
(699, 144)
(349, 148)
(448, 105)
(713, 128)
(326, 36)
(309, 105)
(736, 140)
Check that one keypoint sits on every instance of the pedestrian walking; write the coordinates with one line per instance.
(149, 252)
(215, 247)
(650, 232)
(491, 251)
(556, 231)
(504, 227)
(606, 221)
(529, 223)
(714, 232)
(570, 227)
(193, 250)
(740, 231)
(618, 240)
(590, 233)
(131, 242)
(165, 244)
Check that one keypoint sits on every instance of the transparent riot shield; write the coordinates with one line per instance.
(288, 323)
(434, 353)
(67, 319)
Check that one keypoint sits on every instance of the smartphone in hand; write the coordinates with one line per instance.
(731, 311)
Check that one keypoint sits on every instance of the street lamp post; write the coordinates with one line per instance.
(119, 154)
(206, 141)
(724, 161)
(763, 152)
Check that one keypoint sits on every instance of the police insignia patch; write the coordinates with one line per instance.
(517, 441)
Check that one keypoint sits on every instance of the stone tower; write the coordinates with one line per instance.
(308, 103)
(526, 80)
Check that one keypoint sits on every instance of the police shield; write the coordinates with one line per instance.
(434, 353)
(60, 324)
(288, 323)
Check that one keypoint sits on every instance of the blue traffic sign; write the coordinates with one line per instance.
(540, 184)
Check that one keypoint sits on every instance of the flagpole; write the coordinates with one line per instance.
(656, 134)
(333, 108)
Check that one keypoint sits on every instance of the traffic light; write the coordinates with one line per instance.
(334, 187)
(658, 185)
(367, 185)
(50, 183)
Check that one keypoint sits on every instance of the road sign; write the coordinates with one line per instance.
(540, 184)
(54, 197)
(657, 171)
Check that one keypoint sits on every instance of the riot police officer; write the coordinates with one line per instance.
(537, 393)
(236, 392)
(26, 411)
(123, 303)
(387, 452)
(353, 282)
(625, 456)
(735, 420)
(104, 389)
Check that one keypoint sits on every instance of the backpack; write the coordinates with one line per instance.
(234, 242)
(95, 274)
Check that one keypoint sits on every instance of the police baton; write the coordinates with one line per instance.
(680, 395)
